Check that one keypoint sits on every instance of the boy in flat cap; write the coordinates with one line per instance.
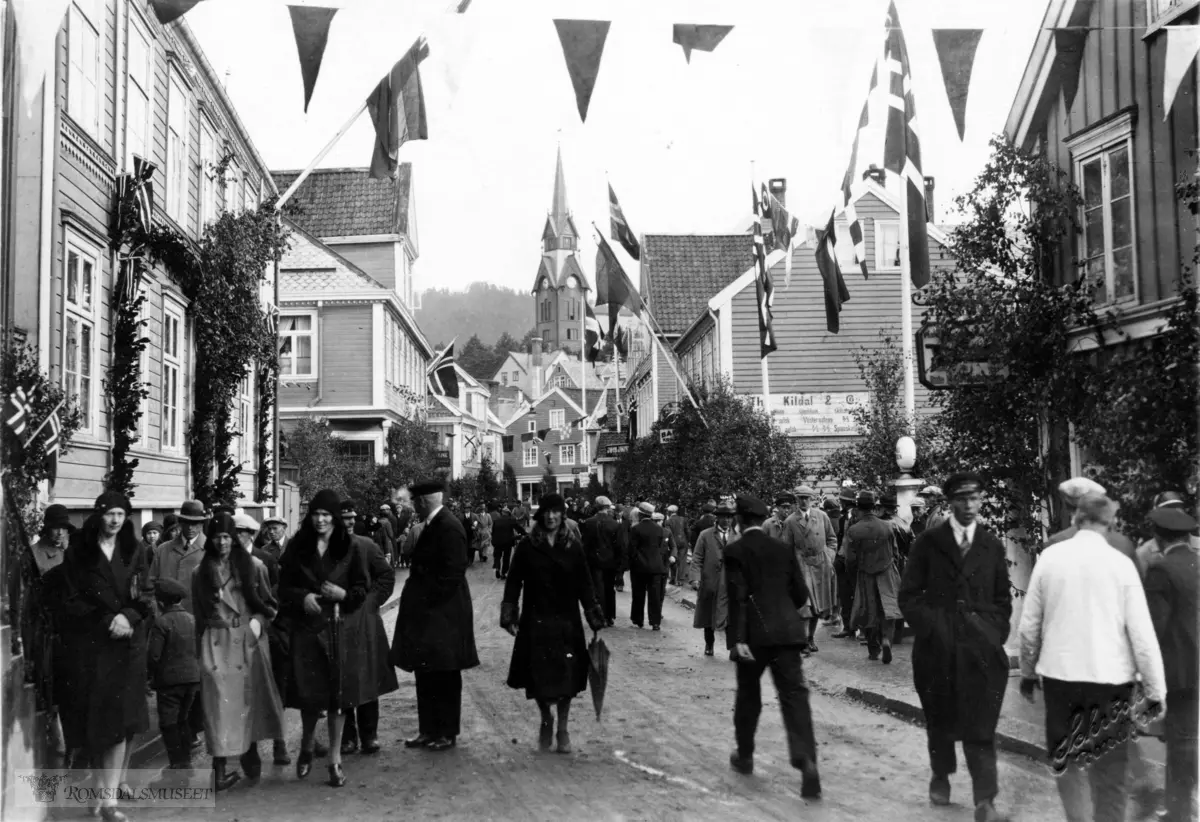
(174, 670)
(1171, 584)
(955, 594)
(766, 592)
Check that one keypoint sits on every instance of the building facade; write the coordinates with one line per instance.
(546, 436)
(467, 431)
(560, 289)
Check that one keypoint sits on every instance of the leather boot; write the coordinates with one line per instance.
(564, 737)
(171, 741)
(251, 763)
(546, 732)
(223, 781)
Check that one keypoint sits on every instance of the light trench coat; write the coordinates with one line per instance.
(815, 544)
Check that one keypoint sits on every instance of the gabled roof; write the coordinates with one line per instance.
(520, 358)
(346, 202)
(683, 271)
(608, 438)
(310, 266)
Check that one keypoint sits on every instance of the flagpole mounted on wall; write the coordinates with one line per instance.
(287, 195)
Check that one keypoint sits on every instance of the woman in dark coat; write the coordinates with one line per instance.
(106, 599)
(323, 567)
(550, 656)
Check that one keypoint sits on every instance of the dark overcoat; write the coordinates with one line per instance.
(959, 609)
(708, 560)
(648, 551)
(309, 678)
(102, 689)
(550, 657)
(435, 628)
(1171, 593)
(372, 631)
(766, 592)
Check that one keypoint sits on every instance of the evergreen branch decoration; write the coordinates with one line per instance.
(125, 389)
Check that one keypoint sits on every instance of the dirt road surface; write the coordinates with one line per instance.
(660, 752)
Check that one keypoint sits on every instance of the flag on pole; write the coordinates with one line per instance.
(831, 274)
(51, 446)
(621, 232)
(18, 409)
(784, 228)
(129, 281)
(593, 334)
(851, 180)
(613, 287)
(442, 376)
(310, 25)
(620, 341)
(764, 289)
(168, 11)
(902, 148)
(397, 108)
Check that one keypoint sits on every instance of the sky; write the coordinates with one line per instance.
(679, 142)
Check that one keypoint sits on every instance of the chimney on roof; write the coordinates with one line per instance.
(929, 210)
(877, 174)
(535, 366)
(778, 189)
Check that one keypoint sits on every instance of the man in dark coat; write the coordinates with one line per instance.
(706, 520)
(956, 596)
(435, 630)
(870, 548)
(601, 535)
(506, 533)
(1171, 594)
(648, 554)
(678, 526)
(765, 629)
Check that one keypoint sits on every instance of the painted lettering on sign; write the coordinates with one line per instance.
(815, 415)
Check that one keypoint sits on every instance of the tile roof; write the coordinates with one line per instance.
(346, 202)
(608, 438)
(310, 266)
(684, 271)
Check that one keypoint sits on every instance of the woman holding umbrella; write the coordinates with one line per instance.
(323, 577)
(550, 657)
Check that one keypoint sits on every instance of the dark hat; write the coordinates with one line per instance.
(113, 499)
(348, 507)
(427, 486)
(748, 506)
(170, 521)
(1170, 518)
(151, 526)
(785, 499)
(221, 524)
(966, 482)
(169, 591)
(325, 500)
(831, 504)
(1166, 498)
(726, 508)
(193, 511)
(849, 492)
(865, 500)
(888, 500)
(56, 516)
(709, 507)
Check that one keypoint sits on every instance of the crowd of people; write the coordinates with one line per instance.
(231, 623)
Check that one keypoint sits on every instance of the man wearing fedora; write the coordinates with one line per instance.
(870, 548)
(784, 503)
(766, 592)
(956, 596)
(435, 624)
(809, 532)
(179, 558)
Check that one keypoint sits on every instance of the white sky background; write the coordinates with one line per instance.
(783, 90)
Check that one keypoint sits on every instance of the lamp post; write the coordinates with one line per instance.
(906, 484)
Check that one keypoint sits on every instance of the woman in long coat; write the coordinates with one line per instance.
(105, 601)
(708, 564)
(323, 567)
(231, 595)
(550, 656)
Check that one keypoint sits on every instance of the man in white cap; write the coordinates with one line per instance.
(935, 507)
(647, 562)
(1071, 492)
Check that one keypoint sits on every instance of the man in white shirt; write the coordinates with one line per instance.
(1086, 631)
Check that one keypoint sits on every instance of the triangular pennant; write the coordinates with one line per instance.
(1068, 46)
(583, 46)
(168, 11)
(700, 38)
(310, 24)
(38, 22)
(956, 53)
(1183, 42)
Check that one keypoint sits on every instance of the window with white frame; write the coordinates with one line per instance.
(80, 298)
(566, 454)
(245, 419)
(529, 456)
(389, 353)
(173, 348)
(138, 91)
(531, 426)
(516, 376)
(558, 417)
(887, 245)
(208, 174)
(572, 309)
(1164, 11)
(1103, 161)
(232, 198)
(297, 340)
(177, 150)
(84, 70)
(504, 378)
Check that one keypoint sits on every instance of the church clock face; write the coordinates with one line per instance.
(572, 282)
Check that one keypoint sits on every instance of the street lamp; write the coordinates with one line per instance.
(906, 484)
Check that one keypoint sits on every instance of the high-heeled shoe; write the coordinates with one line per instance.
(304, 764)
(337, 777)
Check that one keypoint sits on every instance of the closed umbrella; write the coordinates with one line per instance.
(335, 648)
(598, 655)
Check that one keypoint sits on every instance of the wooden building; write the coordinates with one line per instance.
(546, 434)
(466, 428)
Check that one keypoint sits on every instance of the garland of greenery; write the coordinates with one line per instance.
(267, 379)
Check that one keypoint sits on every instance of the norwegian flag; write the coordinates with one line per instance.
(764, 289)
(51, 445)
(442, 378)
(19, 408)
(130, 280)
(143, 189)
(850, 181)
(902, 148)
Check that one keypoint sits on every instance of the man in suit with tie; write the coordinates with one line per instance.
(765, 629)
(956, 596)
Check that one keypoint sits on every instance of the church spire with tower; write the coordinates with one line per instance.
(560, 288)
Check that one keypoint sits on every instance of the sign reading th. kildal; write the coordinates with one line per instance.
(815, 415)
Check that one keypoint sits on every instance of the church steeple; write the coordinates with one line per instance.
(560, 288)
(560, 231)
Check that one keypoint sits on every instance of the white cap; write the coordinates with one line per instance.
(245, 521)
(1075, 488)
